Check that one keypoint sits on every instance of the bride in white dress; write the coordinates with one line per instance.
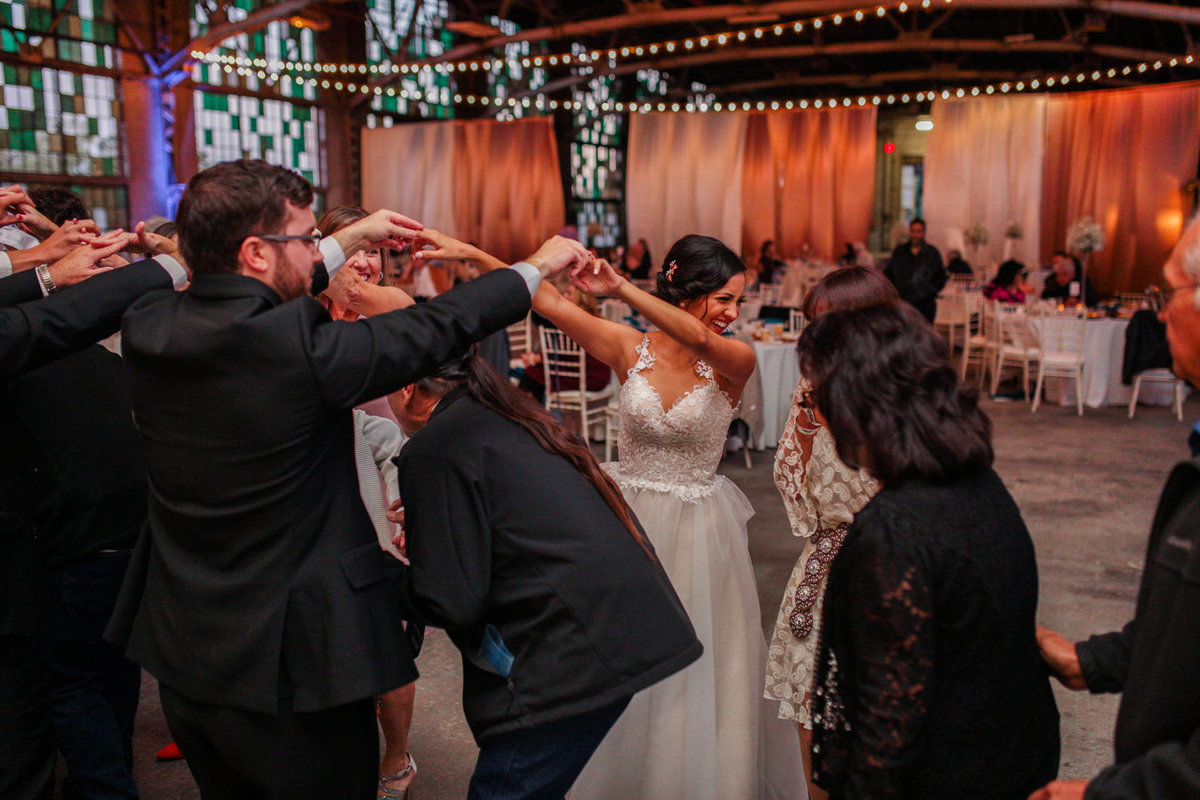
(706, 732)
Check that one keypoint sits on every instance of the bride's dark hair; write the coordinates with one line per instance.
(695, 266)
(496, 394)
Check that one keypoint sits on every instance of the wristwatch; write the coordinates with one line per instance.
(49, 287)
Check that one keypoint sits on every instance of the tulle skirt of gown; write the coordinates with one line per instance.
(705, 732)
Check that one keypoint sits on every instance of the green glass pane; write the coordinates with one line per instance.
(94, 127)
(235, 122)
(10, 74)
(303, 113)
(208, 137)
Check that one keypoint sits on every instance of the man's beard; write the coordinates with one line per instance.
(290, 281)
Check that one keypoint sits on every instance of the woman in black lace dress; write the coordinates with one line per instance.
(929, 683)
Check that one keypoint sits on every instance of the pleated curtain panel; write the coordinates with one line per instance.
(796, 177)
(1120, 157)
(983, 166)
(496, 184)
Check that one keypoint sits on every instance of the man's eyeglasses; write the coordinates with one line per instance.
(1170, 291)
(313, 238)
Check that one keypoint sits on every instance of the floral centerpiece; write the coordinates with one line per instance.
(976, 235)
(1085, 236)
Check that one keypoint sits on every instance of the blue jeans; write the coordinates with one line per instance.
(93, 687)
(540, 763)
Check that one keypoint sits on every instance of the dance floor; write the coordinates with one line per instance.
(1087, 487)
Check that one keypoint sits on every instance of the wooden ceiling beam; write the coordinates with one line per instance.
(1144, 9)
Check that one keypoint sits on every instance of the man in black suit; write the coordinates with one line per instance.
(35, 331)
(916, 270)
(259, 596)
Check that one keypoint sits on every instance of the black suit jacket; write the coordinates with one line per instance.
(33, 332)
(260, 560)
(503, 533)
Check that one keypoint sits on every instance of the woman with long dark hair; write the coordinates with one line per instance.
(705, 733)
(821, 495)
(1006, 287)
(929, 683)
(525, 551)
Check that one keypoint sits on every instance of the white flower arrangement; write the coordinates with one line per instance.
(1085, 236)
(976, 235)
(1014, 231)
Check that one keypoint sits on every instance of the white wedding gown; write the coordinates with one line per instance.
(705, 732)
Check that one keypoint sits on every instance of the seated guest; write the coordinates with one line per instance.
(770, 268)
(1067, 270)
(637, 262)
(956, 265)
(527, 554)
(929, 683)
(1006, 287)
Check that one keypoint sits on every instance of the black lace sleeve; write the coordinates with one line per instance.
(875, 664)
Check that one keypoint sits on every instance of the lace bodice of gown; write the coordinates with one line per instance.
(674, 450)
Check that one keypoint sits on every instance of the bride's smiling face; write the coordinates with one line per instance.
(719, 309)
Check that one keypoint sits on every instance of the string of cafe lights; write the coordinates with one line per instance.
(265, 67)
(541, 103)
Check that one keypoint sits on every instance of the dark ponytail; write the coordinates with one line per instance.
(498, 395)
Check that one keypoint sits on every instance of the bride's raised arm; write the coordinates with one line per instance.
(731, 358)
(610, 342)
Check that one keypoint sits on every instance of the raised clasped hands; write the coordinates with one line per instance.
(559, 254)
(597, 278)
(446, 248)
(69, 236)
(83, 262)
(384, 228)
(12, 198)
(151, 244)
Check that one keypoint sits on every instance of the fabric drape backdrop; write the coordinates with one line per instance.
(496, 184)
(1122, 158)
(983, 166)
(808, 178)
(683, 175)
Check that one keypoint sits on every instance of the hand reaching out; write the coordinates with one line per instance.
(1061, 790)
(447, 248)
(151, 244)
(1061, 657)
(395, 514)
(598, 279)
(345, 287)
(35, 222)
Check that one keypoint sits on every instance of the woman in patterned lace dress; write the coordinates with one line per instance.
(821, 495)
(929, 683)
(705, 733)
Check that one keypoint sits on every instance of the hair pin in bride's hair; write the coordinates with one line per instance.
(671, 271)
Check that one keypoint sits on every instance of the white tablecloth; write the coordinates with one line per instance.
(1103, 352)
(779, 371)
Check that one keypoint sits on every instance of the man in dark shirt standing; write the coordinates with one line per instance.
(916, 270)
(1153, 659)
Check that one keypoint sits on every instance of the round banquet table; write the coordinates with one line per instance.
(779, 371)
(1103, 352)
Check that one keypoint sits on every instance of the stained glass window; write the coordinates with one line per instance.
(427, 93)
(597, 163)
(230, 126)
(59, 123)
(233, 125)
(80, 31)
